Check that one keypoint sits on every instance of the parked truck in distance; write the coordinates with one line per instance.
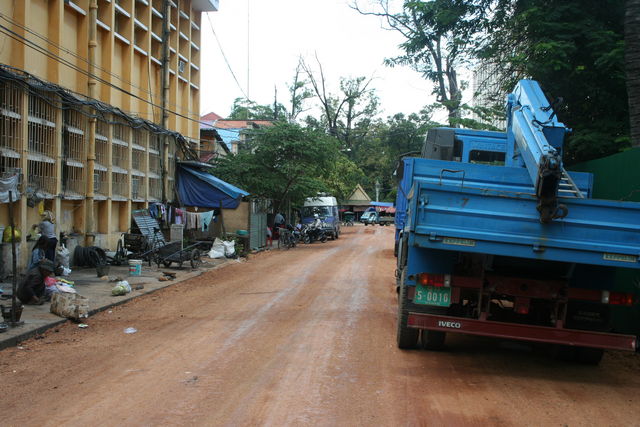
(380, 218)
(495, 238)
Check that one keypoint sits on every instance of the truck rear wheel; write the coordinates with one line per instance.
(407, 337)
(433, 340)
(589, 355)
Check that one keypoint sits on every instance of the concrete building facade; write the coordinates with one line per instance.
(97, 100)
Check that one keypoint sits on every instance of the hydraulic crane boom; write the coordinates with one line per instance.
(534, 140)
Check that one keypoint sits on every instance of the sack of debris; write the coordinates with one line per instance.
(70, 305)
(62, 256)
(229, 248)
(217, 249)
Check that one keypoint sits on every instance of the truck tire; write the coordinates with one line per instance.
(433, 340)
(407, 338)
(590, 355)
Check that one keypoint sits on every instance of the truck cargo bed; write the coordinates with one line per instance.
(460, 213)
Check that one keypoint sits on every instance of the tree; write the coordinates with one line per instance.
(387, 141)
(575, 49)
(284, 162)
(439, 39)
(299, 92)
(342, 177)
(244, 109)
(347, 115)
(632, 66)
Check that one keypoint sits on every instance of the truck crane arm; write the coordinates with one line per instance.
(534, 140)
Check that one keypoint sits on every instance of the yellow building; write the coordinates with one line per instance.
(97, 100)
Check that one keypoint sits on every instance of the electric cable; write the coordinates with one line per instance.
(69, 52)
(39, 49)
(225, 58)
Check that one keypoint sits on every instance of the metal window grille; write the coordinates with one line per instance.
(41, 177)
(119, 183)
(102, 142)
(120, 147)
(10, 127)
(100, 182)
(136, 187)
(42, 124)
(100, 176)
(138, 159)
(74, 153)
(41, 163)
(155, 188)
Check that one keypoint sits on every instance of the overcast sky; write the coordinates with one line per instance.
(347, 43)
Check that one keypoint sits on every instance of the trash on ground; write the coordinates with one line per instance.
(83, 325)
(121, 288)
(130, 330)
(70, 305)
(139, 287)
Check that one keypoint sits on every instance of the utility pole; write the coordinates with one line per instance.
(90, 229)
(166, 32)
(275, 103)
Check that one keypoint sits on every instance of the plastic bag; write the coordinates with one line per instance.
(121, 288)
(62, 256)
(229, 248)
(66, 271)
(218, 249)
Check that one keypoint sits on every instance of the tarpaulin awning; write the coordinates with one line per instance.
(201, 189)
(381, 204)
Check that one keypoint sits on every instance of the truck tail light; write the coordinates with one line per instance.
(437, 280)
(617, 298)
(620, 298)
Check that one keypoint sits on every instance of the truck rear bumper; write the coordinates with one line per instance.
(522, 332)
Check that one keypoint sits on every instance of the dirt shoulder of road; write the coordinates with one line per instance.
(38, 318)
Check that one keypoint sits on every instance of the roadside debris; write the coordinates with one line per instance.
(167, 275)
(130, 330)
(70, 305)
(83, 325)
(121, 288)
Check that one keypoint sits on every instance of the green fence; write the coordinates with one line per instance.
(616, 177)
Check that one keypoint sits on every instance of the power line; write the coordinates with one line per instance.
(225, 58)
(75, 55)
(36, 47)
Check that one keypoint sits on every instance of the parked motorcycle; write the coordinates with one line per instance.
(313, 232)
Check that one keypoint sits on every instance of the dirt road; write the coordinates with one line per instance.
(299, 337)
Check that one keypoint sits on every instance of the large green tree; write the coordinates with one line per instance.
(575, 50)
(632, 63)
(244, 109)
(283, 162)
(439, 40)
(347, 115)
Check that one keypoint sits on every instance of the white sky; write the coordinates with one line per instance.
(348, 45)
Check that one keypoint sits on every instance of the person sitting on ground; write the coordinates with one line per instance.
(38, 252)
(31, 289)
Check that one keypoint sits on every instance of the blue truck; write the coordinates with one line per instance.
(495, 238)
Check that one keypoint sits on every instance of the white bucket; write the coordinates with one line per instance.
(135, 267)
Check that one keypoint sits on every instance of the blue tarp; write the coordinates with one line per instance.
(229, 135)
(381, 204)
(201, 189)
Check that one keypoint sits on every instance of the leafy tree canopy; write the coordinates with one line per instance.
(284, 162)
(244, 109)
(575, 50)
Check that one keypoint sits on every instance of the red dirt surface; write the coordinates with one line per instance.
(298, 337)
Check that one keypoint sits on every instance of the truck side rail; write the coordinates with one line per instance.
(451, 217)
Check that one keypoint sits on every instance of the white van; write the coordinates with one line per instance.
(327, 209)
